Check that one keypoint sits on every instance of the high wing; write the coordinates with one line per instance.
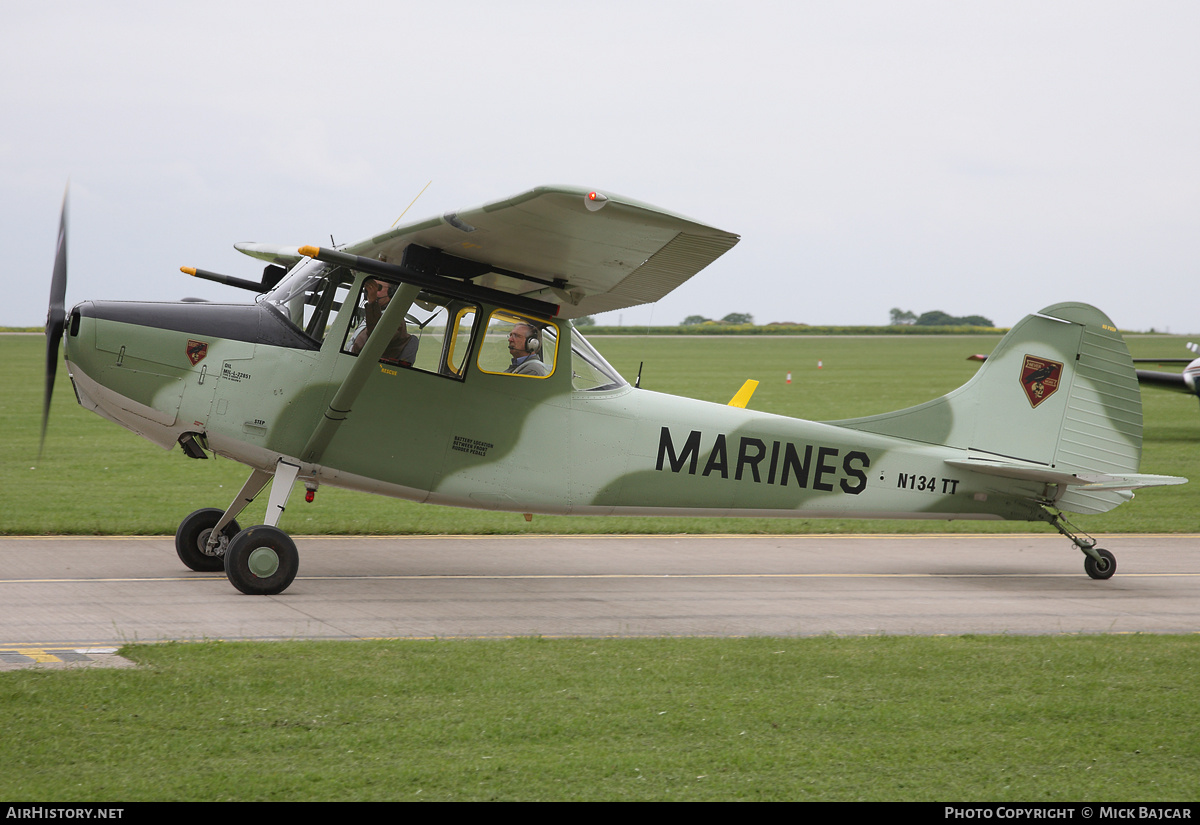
(584, 251)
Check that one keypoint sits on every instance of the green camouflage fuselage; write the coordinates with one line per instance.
(506, 442)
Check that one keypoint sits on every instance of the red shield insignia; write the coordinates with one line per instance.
(1040, 378)
(196, 350)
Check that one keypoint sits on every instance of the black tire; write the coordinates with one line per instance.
(192, 537)
(1102, 569)
(261, 561)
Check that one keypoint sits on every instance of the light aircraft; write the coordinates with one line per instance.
(1186, 381)
(319, 380)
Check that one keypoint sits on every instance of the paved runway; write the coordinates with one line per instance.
(84, 593)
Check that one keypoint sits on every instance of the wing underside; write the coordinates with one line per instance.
(584, 252)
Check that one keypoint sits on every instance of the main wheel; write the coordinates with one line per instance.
(191, 540)
(261, 561)
(1102, 569)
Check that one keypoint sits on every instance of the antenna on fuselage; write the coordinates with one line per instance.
(637, 382)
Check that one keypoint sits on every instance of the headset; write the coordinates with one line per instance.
(532, 343)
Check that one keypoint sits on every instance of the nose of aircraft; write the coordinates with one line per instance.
(1190, 373)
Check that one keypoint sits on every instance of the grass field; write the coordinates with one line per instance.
(1050, 719)
(96, 478)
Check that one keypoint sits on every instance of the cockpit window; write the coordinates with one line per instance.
(435, 335)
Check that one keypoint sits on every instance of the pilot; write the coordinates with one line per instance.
(403, 347)
(525, 348)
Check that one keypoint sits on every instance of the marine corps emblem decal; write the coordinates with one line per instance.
(196, 350)
(1040, 378)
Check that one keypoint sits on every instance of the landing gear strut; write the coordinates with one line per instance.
(260, 560)
(1098, 562)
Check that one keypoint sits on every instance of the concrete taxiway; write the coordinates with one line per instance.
(78, 593)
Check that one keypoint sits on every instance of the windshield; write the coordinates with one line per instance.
(311, 296)
(289, 293)
(589, 371)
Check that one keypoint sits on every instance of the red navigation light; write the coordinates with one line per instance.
(594, 201)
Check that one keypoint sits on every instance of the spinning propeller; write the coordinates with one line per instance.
(56, 318)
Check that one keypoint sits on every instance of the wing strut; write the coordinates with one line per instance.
(343, 400)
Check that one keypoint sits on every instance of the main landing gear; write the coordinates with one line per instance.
(260, 560)
(191, 540)
(1098, 562)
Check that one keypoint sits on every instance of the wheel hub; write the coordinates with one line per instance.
(263, 562)
(218, 550)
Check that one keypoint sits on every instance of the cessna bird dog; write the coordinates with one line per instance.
(437, 362)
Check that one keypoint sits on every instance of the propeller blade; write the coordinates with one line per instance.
(56, 317)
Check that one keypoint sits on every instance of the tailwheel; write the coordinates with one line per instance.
(1097, 562)
(1102, 567)
(191, 540)
(261, 561)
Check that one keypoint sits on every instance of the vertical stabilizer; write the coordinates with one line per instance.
(1059, 391)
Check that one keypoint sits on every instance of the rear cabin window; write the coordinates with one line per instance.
(518, 345)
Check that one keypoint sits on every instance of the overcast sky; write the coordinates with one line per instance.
(977, 158)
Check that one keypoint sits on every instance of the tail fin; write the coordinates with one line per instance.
(1058, 401)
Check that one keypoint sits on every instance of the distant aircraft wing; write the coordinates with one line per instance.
(586, 252)
(1165, 380)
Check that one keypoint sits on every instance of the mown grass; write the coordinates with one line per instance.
(880, 718)
(96, 478)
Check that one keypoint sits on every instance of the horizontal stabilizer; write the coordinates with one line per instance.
(1086, 481)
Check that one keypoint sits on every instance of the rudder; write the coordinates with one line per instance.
(1059, 391)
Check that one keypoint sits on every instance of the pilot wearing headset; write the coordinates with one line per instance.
(403, 346)
(524, 347)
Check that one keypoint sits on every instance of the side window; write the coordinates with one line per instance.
(589, 371)
(518, 344)
(435, 335)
